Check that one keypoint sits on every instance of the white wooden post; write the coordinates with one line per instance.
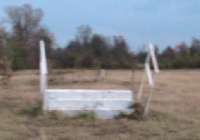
(151, 76)
(153, 57)
(43, 72)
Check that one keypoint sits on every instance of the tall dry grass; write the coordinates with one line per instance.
(174, 113)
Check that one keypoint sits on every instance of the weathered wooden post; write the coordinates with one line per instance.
(101, 75)
(43, 73)
(150, 75)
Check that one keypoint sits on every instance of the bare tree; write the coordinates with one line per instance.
(26, 33)
(25, 20)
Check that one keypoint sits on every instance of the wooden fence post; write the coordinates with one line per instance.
(43, 73)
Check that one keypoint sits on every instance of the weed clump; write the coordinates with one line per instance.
(136, 115)
(89, 116)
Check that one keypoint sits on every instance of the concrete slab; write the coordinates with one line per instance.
(106, 104)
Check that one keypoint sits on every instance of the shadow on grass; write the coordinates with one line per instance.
(153, 115)
(36, 111)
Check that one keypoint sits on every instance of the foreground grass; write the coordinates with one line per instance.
(175, 109)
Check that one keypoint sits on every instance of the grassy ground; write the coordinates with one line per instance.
(175, 111)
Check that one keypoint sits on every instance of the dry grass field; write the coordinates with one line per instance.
(175, 110)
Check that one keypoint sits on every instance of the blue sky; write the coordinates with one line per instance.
(162, 22)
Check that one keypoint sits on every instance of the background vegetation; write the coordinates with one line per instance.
(19, 47)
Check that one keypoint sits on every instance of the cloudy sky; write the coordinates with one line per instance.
(162, 22)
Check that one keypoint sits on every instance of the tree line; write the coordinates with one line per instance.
(19, 48)
(181, 56)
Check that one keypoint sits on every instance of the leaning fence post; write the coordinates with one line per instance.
(150, 75)
(43, 73)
